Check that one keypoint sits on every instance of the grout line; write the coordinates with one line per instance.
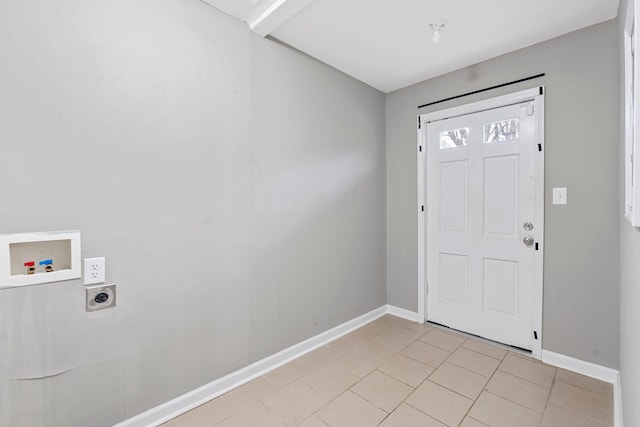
(476, 420)
(469, 370)
(526, 381)
(481, 339)
(546, 404)
(385, 359)
(486, 355)
(374, 404)
(529, 381)
(466, 414)
(515, 403)
(490, 343)
(442, 348)
(328, 402)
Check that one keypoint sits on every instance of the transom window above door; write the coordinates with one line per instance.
(454, 138)
(504, 130)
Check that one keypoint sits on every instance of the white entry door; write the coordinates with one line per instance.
(481, 222)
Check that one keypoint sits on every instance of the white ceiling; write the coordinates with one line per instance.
(387, 43)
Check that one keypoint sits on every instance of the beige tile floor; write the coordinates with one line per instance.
(393, 372)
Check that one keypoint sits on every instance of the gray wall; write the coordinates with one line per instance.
(629, 278)
(236, 188)
(630, 321)
(581, 238)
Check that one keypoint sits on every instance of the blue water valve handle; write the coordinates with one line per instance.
(48, 265)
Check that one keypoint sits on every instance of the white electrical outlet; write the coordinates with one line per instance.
(94, 271)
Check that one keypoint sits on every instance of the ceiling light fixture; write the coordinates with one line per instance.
(437, 25)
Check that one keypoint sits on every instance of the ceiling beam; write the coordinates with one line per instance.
(275, 15)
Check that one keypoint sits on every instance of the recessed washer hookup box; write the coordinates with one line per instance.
(40, 257)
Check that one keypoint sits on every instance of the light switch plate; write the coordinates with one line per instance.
(560, 195)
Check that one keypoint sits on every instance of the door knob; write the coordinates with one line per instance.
(527, 226)
(528, 240)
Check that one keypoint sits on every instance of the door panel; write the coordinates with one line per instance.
(500, 196)
(454, 181)
(480, 191)
(454, 278)
(500, 281)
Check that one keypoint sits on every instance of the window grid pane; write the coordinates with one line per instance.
(454, 138)
(504, 130)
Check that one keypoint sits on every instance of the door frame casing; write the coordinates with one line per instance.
(537, 96)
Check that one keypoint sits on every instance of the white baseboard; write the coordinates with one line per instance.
(186, 402)
(592, 370)
(181, 404)
(589, 369)
(401, 312)
(617, 402)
